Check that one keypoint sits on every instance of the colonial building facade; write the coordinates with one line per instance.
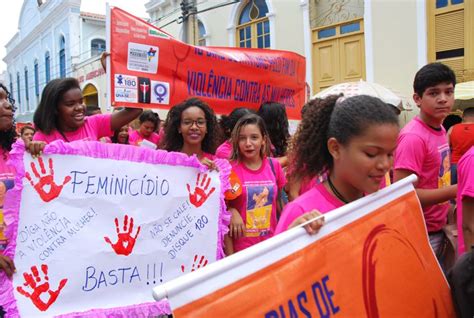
(52, 39)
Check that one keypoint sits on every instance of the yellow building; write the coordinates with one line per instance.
(387, 41)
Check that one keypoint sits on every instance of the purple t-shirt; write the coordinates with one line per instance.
(317, 198)
(224, 151)
(135, 138)
(425, 152)
(94, 128)
(258, 202)
(465, 189)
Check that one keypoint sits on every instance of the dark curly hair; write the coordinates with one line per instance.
(8, 137)
(327, 118)
(276, 121)
(114, 138)
(149, 115)
(46, 114)
(227, 123)
(173, 140)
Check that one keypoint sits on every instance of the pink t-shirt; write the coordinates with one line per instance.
(94, 128)
(224, 151)
(317, 198)
(257, 203)
(425, 152)
(465, 189)
(135, 138)
(7, 179)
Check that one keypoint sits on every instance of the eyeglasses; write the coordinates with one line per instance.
(189, 122)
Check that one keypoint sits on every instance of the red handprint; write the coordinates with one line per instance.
(45, 181)
(32, 282)
(200, 196)
(202, 262)
(125, 241)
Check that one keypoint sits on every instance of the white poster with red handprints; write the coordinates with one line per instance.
(94, 227)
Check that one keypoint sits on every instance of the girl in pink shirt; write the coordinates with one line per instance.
(191, 128)
(149, 122)
(254, 212)
(351, 141)
(61, 115)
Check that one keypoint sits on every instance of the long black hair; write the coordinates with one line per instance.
(338, 118)
(173, 140)
(227, 122)
(8, 137)
(276, 121)
(46, 115)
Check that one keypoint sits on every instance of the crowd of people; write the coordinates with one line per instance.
(343, 149)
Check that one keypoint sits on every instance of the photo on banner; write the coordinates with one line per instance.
(93, 227)
(150, 69)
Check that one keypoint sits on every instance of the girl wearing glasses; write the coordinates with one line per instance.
(191, 128)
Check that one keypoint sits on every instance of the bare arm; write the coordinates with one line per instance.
(428, 196)
(283, 161)
(468, 221)
(124, 116)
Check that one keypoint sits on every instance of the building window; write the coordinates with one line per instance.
(36, 79)
(11, 83)
(62, 57)
(253, 30)
(27, 89)
(202, 34)
(449, 36)
(18, 87)
(97, 47)
(47, 67)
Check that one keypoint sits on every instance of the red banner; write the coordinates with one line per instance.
(151, 69)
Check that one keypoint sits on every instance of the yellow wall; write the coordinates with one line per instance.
(395, 47)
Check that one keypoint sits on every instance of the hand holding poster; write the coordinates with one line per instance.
(371, 259)
(93, 227)
(150, 69)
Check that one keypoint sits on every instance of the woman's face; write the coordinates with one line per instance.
(147, 128)
(27, 136)
(122, 136)
(71, 110)
(6, 112)
(251, 142)
(193, 125)
(364, 161)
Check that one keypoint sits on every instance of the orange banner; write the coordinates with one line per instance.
(150, 69)
(380, 265)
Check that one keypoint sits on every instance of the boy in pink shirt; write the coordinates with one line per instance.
(423, 149)
(465, 201)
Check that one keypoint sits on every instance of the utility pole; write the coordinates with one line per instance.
(190, 28)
